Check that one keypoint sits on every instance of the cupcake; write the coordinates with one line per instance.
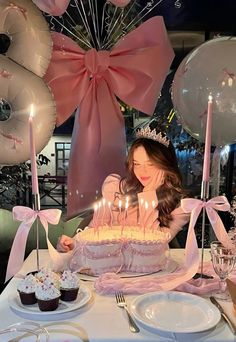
(69, 286)
(47, 296)
(26, 289)
(47, 274)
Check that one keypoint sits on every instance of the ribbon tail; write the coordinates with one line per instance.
(57, 258)
(17, 253)
(98, 147)
(218, 227)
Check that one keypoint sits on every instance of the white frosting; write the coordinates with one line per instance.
(69, 280)
(47, 274)
(46, 291)
(28, 284)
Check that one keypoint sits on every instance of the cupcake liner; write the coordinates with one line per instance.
(48, 305)
(68, 295)
(27, 298)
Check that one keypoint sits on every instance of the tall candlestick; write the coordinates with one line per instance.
(206, 173)
(207, 151)
(34, 175)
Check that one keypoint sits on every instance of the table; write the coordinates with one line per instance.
(101, 320)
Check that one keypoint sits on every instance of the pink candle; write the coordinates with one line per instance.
(207, 151)
(34, 175)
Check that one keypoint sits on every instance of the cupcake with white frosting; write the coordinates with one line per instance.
(69, 285)
(47, 296)
(46, 274)
(26, 289)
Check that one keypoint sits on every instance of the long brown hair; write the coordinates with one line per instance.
(170, 192)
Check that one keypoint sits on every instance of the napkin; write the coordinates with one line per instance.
(232, 291)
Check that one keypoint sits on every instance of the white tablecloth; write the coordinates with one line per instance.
(101, 319)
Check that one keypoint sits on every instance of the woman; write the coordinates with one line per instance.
(149, 195)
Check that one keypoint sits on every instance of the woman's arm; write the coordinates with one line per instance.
(103, 215)
(180, 218)
(148, 213)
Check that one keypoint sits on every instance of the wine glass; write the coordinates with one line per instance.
(223, 261)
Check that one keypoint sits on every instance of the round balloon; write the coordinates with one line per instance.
(19, 88)
(210, 69)
(31, 43)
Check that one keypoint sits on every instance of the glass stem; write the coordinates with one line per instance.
(222, 285)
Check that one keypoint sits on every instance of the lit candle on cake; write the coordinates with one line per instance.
(153, 207)
(126, 209)
(146, 212)
(207, 150)
(110, 211)
(95, 211)
(103, 210)
(120, 206)
(34, 175)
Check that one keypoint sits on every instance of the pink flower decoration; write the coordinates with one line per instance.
(120, 3)
(53, 7)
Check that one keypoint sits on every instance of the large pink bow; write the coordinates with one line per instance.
(28, 216)
(133, 71)
(195, 206)
(53, 7)
(110, 282)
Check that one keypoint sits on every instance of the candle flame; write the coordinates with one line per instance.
(210, 97)
(31, 110)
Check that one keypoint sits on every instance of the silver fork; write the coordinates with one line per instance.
(120, 299)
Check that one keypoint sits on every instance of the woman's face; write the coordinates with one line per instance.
(144, 168)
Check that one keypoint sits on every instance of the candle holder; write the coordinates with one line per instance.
(36, 207)
(204, 197)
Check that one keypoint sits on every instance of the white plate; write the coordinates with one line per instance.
(171, 267)
(174, 311)
(83, 298)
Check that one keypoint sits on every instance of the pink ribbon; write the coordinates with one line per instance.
(182, 278)
(133, 71)
(28, 216)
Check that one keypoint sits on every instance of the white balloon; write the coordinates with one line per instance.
(20, 88)
(31, 43)
(209, 69)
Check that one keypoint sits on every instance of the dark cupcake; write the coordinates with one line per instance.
(69, 283)
(47, 296)
(26, 290)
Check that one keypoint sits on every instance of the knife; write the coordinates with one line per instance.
(223, 314)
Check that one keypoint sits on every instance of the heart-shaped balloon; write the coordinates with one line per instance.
(120, 3)
(53, 7)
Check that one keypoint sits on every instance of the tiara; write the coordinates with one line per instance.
(151, 134)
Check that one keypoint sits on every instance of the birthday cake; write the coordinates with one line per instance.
(119, 249)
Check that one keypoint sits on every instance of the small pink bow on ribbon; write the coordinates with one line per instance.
(28, 216)
(134, 71)
(53, 7)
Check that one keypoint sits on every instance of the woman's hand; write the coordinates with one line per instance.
(65, 244)
(155, 181)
